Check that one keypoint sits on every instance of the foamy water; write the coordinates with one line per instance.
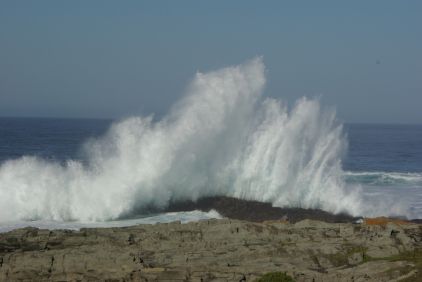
(182, 217)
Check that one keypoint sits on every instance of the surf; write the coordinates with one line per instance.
(223, 137)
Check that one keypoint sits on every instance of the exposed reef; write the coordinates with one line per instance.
(257, 211)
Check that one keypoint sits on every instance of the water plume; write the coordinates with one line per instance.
(221, 138)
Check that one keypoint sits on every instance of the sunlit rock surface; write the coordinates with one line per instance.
(214, 250)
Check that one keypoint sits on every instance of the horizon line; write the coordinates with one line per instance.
(124, 117)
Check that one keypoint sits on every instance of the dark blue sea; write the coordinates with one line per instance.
(384, 147)
(48, 138)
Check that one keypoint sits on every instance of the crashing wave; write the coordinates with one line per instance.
(221, 138)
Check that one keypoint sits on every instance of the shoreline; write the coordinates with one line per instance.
(215, 250)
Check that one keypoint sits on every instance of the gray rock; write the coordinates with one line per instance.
(211, 250)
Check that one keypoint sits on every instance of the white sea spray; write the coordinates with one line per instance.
(222, 138)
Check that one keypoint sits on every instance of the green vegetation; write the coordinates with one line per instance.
(276, 277)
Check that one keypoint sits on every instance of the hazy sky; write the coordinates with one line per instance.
(119, 58)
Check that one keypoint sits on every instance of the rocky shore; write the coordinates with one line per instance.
(217, 250)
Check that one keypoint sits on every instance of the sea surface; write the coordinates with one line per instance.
(386, 161)
(392, 149)
(381, 158)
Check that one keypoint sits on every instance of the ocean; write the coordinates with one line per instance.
(381, 158)
(376, 152)
(222, 138)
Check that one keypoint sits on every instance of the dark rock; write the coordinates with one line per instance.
(257, 211)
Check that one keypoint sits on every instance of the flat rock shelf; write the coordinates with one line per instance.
(215, 250)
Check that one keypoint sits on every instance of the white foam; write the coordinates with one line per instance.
(183, 217)
(381, 200)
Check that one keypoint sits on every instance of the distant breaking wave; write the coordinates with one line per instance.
(221, 138)
(384, 178)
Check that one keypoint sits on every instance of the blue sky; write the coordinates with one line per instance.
(120, 58)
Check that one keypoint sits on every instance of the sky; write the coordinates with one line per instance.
(112, 59)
